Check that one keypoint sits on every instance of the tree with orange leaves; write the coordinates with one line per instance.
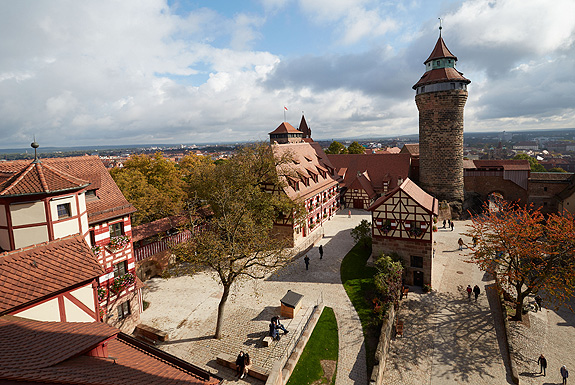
(527, 251)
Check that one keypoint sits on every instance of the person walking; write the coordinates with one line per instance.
(240, 361)
(476, 291)
(320, 251)
(444, 223)
(460, 243)
(306, 260)
(469, 290)
(542, 361)
(349, 213)
(564, 373)
(451, 225)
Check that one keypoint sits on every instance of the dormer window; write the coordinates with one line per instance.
(91, 195)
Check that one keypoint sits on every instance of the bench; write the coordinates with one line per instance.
(267, 340)
(150, 334)
(399, 329)
(255, 371)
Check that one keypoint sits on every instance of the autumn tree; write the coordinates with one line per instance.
(355, 148)
(362, 233)
(153, 184)
(527, 251)
(245, 194)
(336, 148)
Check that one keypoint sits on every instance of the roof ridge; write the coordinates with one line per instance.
(40, 169)
(17, 177)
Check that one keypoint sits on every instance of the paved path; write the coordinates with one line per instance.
(449, 339)
(186, 307)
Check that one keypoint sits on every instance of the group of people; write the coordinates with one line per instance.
(243, 364)
(306, 258)
(275, 327)
(449, 224)
(476, 291)
(542, 361)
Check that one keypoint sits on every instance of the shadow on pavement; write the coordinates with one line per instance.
(453, 332)
(184, 340)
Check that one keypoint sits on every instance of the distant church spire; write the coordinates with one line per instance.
(303, 127)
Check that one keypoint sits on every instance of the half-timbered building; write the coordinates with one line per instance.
(309, 178)
(403, 223)
(49, 199)
(366, 177)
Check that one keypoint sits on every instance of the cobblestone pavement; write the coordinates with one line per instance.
(547, 332)
(449, 339)
(186, 307)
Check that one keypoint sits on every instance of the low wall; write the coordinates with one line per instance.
(282, 370)
(507, 336)
(382, 348)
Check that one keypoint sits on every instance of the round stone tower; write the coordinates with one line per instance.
(441, 94)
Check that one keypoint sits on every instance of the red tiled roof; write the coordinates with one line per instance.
(307, 156)
(37, 271)
(157, 227)
(39, 178)
(365, 183)
(285, 128)
(55, 352)
(440, 51)
(439, 75)
(303, 127)
(410, 148)
(379, 166)
(504, 164)
(110, 203)
(550, 176)
(426, 201)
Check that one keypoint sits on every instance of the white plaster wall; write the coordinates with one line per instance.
(65, 228)
(3, 220)
(27, 213)
(84, 220)
(82, 202)
(47, 311)
(55, 202)
(30, 236)
(5, 239)
(75, 314)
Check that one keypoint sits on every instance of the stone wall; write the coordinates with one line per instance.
(542, 193)
(382, 348)
(441, 143)
(485, 185)
(406, 248)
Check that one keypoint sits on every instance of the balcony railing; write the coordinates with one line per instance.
(161, 245)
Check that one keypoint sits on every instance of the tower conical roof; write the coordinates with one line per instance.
(440, 51)
(303, 127)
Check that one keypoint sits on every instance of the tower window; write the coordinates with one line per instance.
(437, 62)
(452, 86)
(63, 210)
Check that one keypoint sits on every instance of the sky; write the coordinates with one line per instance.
(108, 72)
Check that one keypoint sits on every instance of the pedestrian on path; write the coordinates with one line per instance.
(349, 213)
(538, 301)
(476, 291)
(306, 260)
(469, 290)
(564, 373)
(542, 361)
(444, 223)
(320, 251)
(451, 225)
(460, 243)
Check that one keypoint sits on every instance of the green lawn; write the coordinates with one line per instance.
(323, 344)
(358, 282)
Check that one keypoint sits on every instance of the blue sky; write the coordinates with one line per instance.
(178, 71)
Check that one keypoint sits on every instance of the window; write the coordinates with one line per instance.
(64, 210)
(92, 238)
(116, 229)
(437, 62)
(124, 310)
(544, 188)
(416, 261)
(120, 269)
(91, 196)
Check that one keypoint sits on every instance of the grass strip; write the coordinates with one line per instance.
(323, 345)
(357, 279)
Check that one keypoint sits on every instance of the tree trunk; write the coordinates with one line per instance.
(519, 306)
(221, 307)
